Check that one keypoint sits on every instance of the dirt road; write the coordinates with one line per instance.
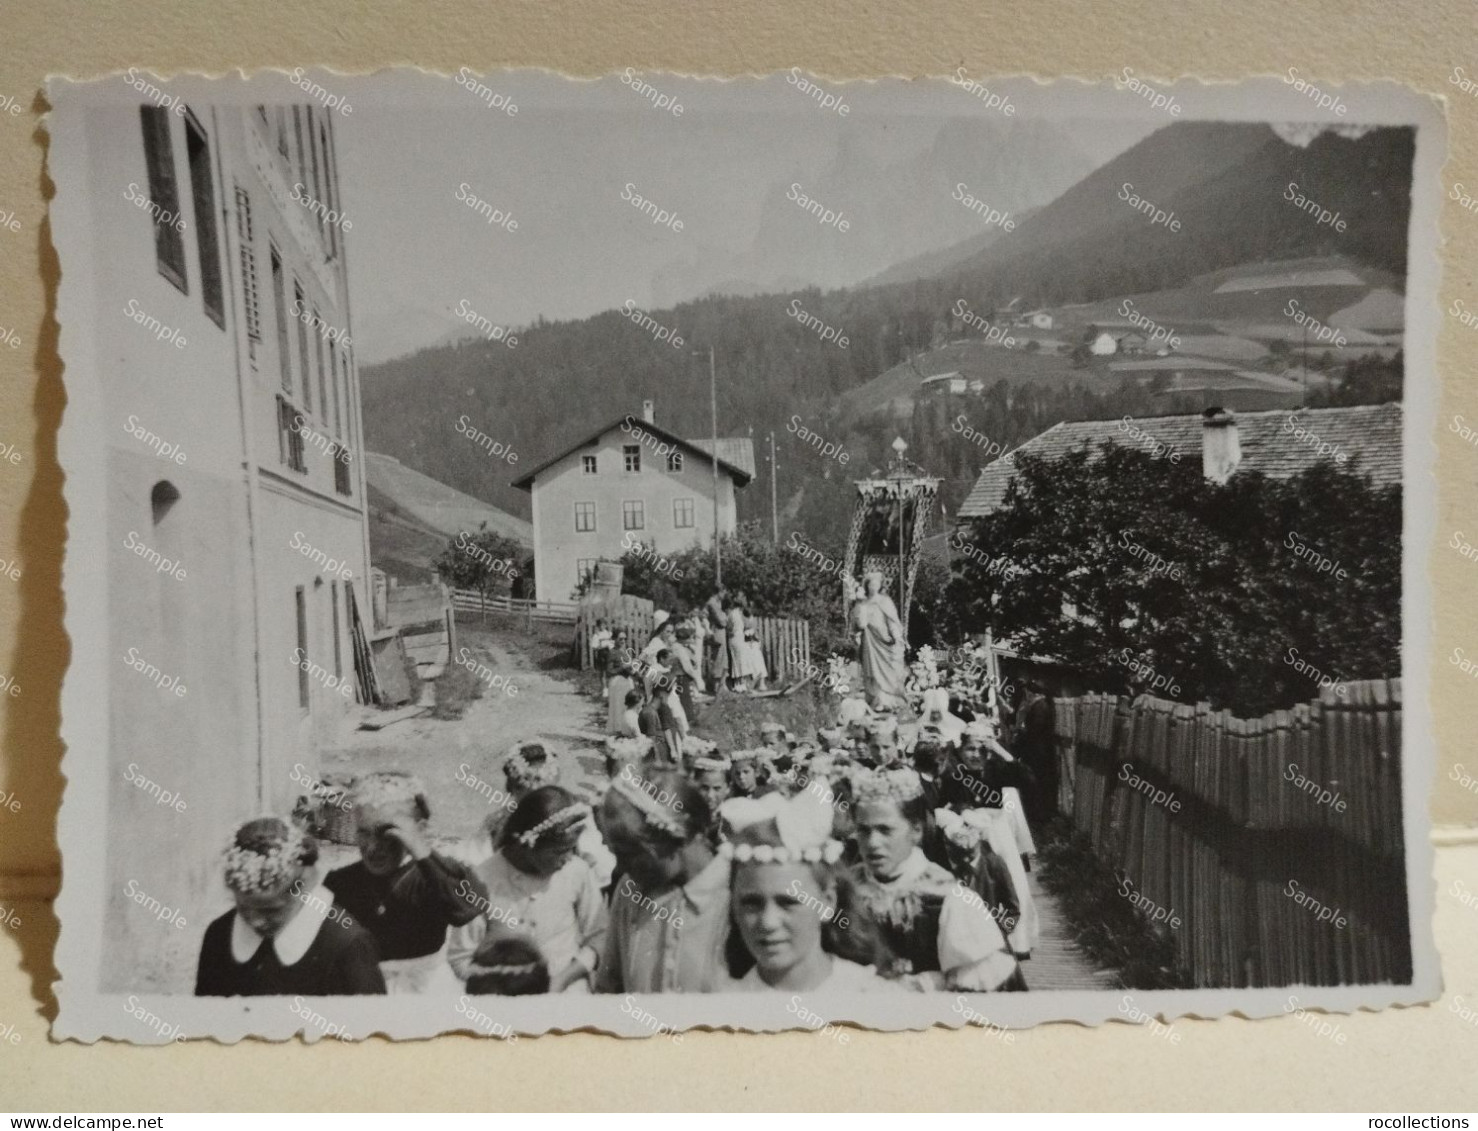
(451, 757)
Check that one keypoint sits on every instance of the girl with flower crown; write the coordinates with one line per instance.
(940, 936)
(797, 925)
(286, 935)
(540, 889)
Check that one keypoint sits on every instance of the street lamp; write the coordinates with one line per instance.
(718, 566)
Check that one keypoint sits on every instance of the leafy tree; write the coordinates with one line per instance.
(788, 580)
(483, 561)
(1130, 568)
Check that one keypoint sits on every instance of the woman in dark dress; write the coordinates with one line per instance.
(405, 894)
(286, 936)
(940, 937)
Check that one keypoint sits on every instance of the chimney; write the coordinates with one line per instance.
(648, 412)
(1221, 450)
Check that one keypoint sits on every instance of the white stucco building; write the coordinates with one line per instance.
(218, 322)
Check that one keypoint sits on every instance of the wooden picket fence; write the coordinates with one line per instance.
(1242, 856)
(471, 601)
(786, 643)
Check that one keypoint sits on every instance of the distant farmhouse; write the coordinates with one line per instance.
(631, 481)
(1277, 444)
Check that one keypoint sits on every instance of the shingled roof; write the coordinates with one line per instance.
(1369, 434)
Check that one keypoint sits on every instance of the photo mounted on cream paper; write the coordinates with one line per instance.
(772, 554)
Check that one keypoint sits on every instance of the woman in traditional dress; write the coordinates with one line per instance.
(741, 667)
(540, 889)
(880, 645)
(404, 894)
(939, 936)
(286, 935)
(797, 925)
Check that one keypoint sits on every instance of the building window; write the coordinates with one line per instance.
(331, 190)
(322, 370)
(307, 374)
(585, 570)
(203, 190)
(590, 464)
(300, 168)
(318, 193)
(674, 461)
(251, 301)
(343, 484)
(584, 518)
(282, 134)
(333, 364)
(682, 513)
(631, 453)
(338, 649)
(289, 437)
(301, 601)
(279, 308)
(633, 514)
(169, 243)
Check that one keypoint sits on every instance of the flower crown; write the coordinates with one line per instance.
(702, 764)
(521, 772)
(249, 871)
(899, 784)
(828, 853)
(654, 814)
(503, 970)
(570, 814)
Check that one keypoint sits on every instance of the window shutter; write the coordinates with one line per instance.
(251, 298)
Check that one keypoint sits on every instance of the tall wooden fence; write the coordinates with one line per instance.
(1237, 845)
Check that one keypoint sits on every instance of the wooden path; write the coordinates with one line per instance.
(1057, 963)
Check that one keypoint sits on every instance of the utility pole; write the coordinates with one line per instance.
(718, 565)
(774, 508)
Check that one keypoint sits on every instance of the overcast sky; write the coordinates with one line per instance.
(559, 165)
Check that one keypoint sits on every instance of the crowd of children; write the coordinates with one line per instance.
(873, 855)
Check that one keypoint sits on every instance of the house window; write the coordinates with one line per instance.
(301, 601)
(631, 453)
(251, 301)
(633, 514)
(289, 438)
(297, 311)
(584, 518)
(589, 464)
(343, 484)
(203, 190)
(585, 569)
(682, 513)
(279, 308)
(674, 461)
(169, 243)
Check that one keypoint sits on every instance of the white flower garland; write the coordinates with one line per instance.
(568, 814)
(828, 853)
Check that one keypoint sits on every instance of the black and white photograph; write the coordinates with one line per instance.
(765, 554)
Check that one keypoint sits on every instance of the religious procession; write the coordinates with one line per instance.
(888, 851)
